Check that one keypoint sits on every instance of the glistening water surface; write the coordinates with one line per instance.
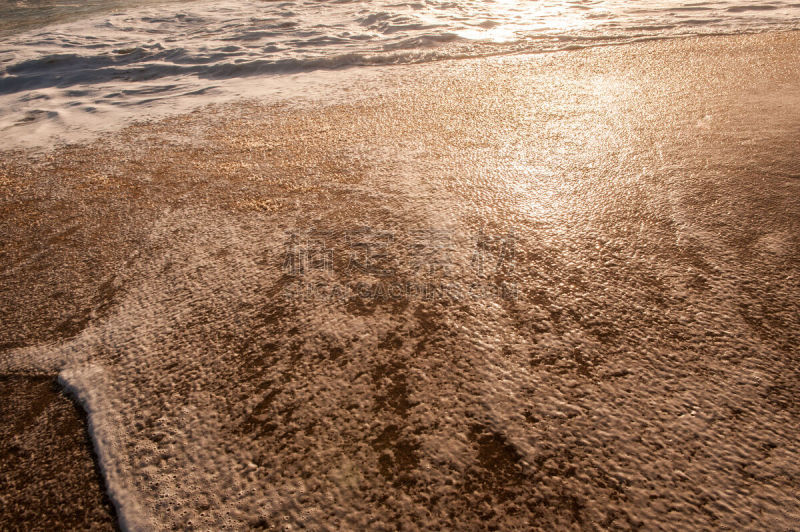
(89, 72)
(563, 295)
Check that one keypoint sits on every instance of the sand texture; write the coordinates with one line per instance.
(538, 292)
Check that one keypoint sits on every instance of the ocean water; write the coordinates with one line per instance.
(69, 67)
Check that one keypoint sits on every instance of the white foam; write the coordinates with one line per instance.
(89, 385)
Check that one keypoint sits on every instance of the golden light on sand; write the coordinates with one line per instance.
(389, 278)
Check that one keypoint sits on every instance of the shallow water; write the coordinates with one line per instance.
(566, 294)
(19, 15)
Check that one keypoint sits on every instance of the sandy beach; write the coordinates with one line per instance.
(549, 291)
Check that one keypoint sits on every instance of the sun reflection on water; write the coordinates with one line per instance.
(512, 20)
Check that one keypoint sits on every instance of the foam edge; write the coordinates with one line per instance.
(84, 384)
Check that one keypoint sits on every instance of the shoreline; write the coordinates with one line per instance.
(642, 247)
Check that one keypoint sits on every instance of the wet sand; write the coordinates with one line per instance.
(47, 475)
(548, 291)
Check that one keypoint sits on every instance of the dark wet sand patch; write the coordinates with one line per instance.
(48, 477)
